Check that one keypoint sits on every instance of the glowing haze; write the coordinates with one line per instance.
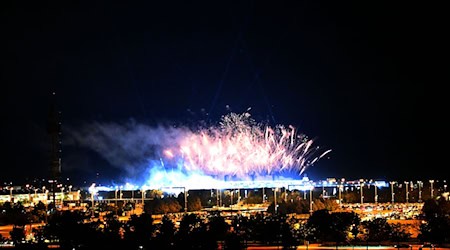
(238, 148)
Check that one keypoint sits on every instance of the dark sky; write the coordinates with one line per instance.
(355, 76)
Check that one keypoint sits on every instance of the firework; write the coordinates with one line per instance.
(236, 149)
(241, 148)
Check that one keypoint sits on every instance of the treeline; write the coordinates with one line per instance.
(70, 229)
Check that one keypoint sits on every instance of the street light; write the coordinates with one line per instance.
(217, 197)
(185, 200)
(92, 191)
(29, 195)
(407, 192)
(239, 196)
(431, 182)
(340, 195)
(263, 195)
(10, 194)
(376, 195)
(62, 196)
(361, 184)
(46, 204)
(46, 199)
(392, 191)
(275, 200)
(310, 200)
(115, 195)
(419, 184)
(285, 194)
(231, 198)
(143, 197)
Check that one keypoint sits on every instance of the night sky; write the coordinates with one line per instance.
(355, 77)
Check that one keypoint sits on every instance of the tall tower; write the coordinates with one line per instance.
(54, 131)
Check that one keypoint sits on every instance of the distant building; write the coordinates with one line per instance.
(34, 198)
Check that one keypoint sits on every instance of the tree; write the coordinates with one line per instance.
(194, 203)
(436, 208)
(188, 223)
(399, 233)
(298, 206)
(350, 197)
(287, 237)
(112, 229)
(233, 241)
(343, 224)
(253, 199)
(435, 230)
(165, 237)
(377, 230)
(218, 227)
(281, 209)
(40, 211)
(318, 205)
(14, 214)
(68, 229)
(266, 229)
(162, 206)
(320, 225)
(17, 234)
(242, 226)
(193, 234)
(331, 204)
(437, 216)
(332, 227)
(139, 229)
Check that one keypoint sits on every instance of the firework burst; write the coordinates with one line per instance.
(239, 147)
(236, 149)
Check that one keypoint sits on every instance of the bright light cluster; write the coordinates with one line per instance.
(235, 149)
(239, 148)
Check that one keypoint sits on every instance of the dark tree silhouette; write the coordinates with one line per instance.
(233, 241)
(343, 223)
(194, 204)
(139, 230)
(218, 227)
(17, 234)
(437, 216)
(193, 234)
(13, 214)
(435, 230)
(112, 229)
(162, 206)
(399, 233)
(165, 238)
(68, 229)
(331, 227)
(377, 230)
